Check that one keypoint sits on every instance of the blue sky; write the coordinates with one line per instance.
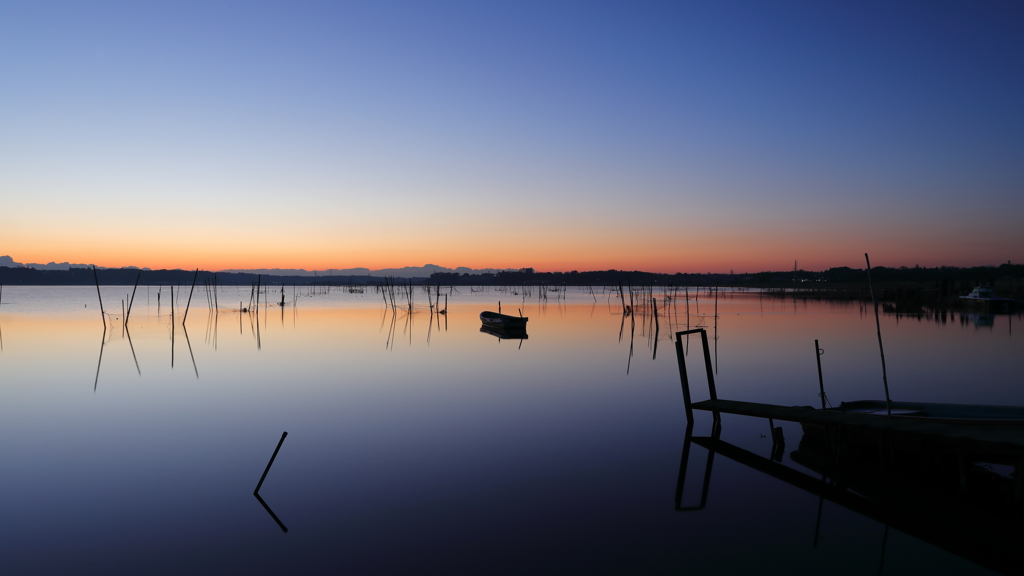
(666, 136)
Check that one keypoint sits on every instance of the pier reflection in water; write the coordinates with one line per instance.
(963, 500)
(418, 443)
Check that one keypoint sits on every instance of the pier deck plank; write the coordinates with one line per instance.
(1008, 436)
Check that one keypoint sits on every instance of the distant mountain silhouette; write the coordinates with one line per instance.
(405, 272)
(9, 262)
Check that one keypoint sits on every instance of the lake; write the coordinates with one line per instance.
(417, 443)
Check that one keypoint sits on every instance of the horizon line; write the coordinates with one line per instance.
(460, 269)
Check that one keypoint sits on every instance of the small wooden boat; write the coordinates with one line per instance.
(496, 320)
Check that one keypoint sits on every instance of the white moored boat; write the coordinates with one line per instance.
(985, 296)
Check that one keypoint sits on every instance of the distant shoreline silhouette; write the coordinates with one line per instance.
(944, 280)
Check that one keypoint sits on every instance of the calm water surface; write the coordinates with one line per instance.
(417, 443)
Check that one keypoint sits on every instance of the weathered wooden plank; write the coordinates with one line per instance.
(1008, 436)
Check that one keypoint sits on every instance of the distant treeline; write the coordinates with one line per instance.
(979, 275)
(834, 277)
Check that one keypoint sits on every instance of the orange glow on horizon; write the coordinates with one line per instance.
(703, 263)
(580, 246)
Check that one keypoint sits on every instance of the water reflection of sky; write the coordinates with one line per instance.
(465, 453)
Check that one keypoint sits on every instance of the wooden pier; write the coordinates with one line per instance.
(929, 478)
(1010, 437)
(966, 436)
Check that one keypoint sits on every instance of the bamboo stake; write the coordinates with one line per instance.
(102, 313)
(129, 312)
(878, 328)
(185, 316)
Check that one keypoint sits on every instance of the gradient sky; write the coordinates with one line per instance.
(659, 136)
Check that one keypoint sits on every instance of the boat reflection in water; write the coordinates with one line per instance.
(509, 333)
(982, 320)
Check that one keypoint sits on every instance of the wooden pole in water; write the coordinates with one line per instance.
(102, 313)
(269, 464)
(194, 276)
(821, 383)
(683, 379)
(686, 294)
(878, 329)
(129, 312)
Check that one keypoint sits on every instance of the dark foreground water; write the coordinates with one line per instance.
(418, 444)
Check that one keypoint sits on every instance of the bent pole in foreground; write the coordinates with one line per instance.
(271, 463)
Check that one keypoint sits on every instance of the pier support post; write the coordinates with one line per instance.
(707, 365)
(683, 379)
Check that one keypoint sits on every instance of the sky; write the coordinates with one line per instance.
(668, 137)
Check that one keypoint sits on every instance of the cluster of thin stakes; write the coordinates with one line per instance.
(389, 289)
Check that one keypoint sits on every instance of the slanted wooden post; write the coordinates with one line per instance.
(707, 364)
(684, 381)
(821, 383)
(710, 371)
(185, 316)
(878, 328)
(102, 313)
(129, 312)
(269, 464)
